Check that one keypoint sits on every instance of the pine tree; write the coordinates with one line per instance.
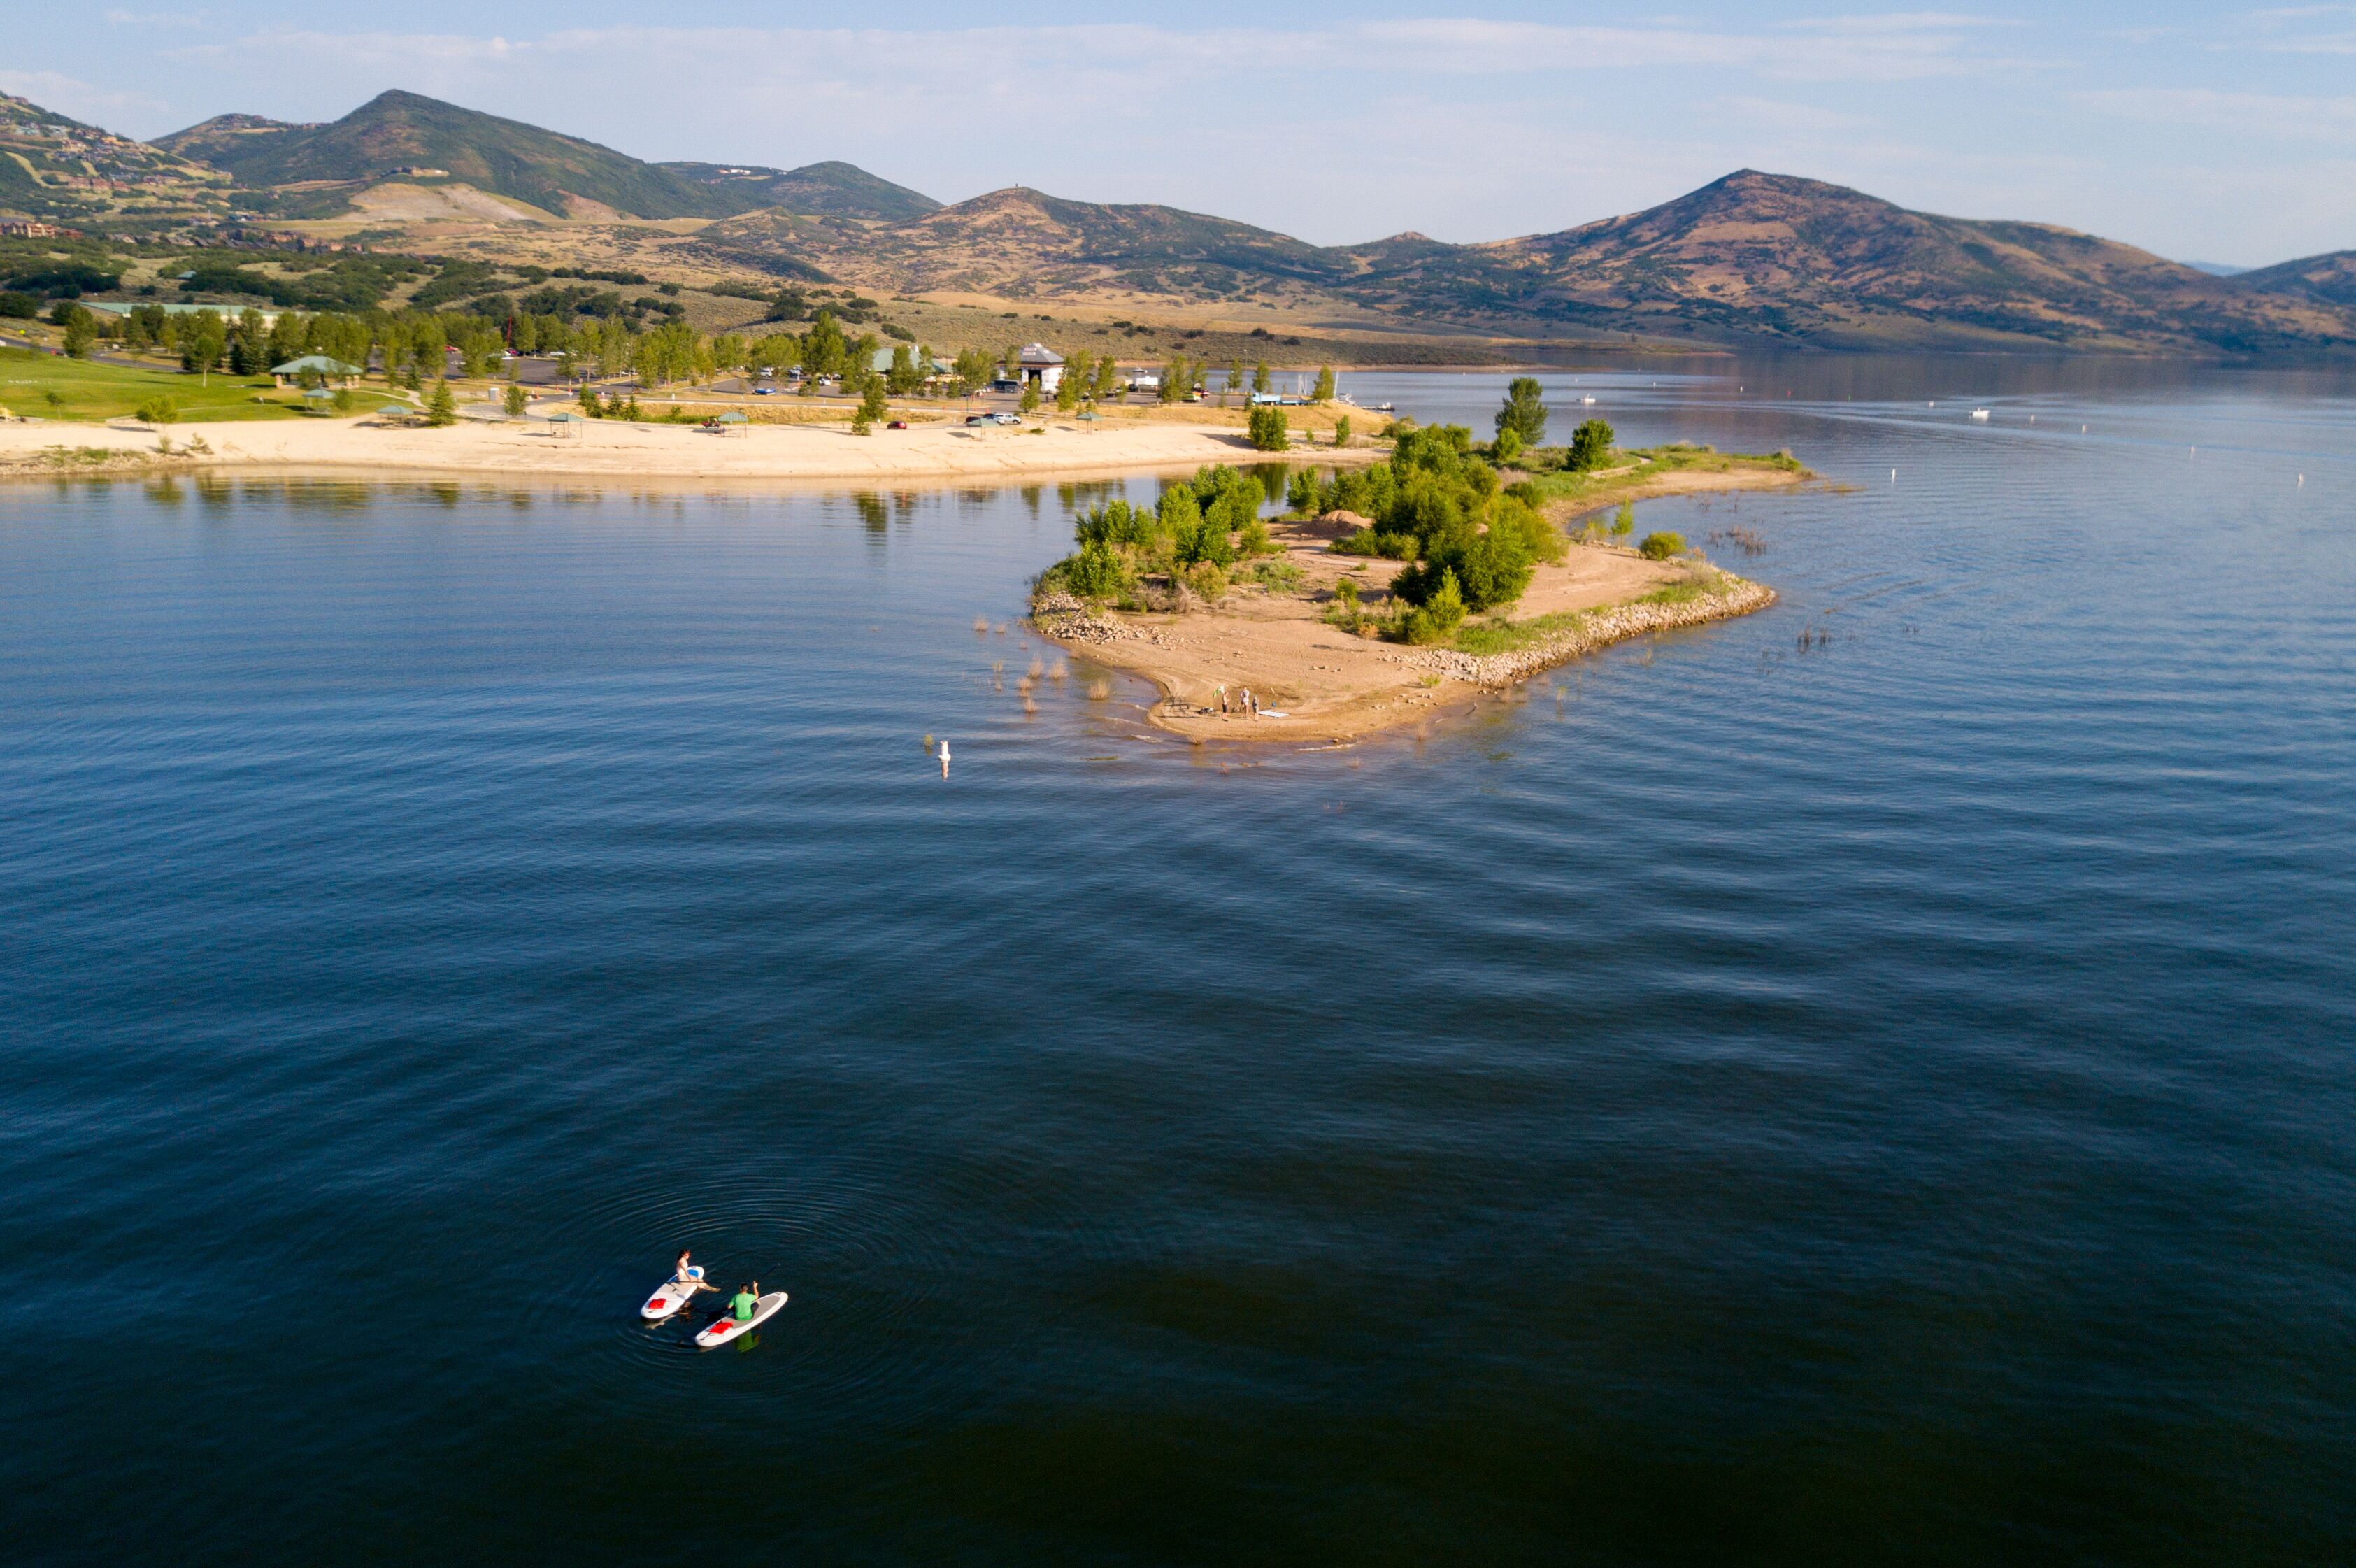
(1524, 411)
(515, 401)
(441, 408)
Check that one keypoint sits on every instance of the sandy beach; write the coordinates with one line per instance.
(616, 449)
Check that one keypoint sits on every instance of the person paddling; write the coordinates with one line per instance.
(747, 1300)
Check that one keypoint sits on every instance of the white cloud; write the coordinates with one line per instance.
(2275, 117)
(76, 99)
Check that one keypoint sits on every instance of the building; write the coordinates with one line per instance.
(16, 229)
(335, 372)
(229, 313)
(1041, 367)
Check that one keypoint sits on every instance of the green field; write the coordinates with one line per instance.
(91, 391)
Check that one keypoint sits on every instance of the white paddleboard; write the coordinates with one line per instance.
(729, 1329)
(667, 1301)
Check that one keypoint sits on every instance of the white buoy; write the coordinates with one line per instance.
(1893, 475)
(2302, 481)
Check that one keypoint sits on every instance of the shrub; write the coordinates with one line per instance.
(1436, 619)
(1252, 540)
(1268, 431)
(1371, 542)
(515, 400)
(1207, 579)
(1590, 444)
(1341, 431)
(1096, 572)
(1345, 593)
(344, 400)
(158, 410)
(1508, 444)
(1661, 546)
(1623, 521)
(18, 306)
(590, 407)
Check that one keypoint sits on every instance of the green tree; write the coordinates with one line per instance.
(1661, 546)
(1341, 431)
(1108, 377)
(1590, 444)
(203, 340)
(82, 332)
(1029, 402)
(1259, 377)
(344, 400)
(159, 411)
(873, 406)
(1067, 392)
(1507, 446)
(1524, 411)
(515, 400)
(1268, 430)
(441, 408)
(1623, 521)
(1325, 392)
(590, 407)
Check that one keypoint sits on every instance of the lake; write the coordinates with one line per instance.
(1871, 1081)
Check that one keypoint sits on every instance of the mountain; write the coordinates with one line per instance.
(398, 131)
(2323, 280)
(64, 171)
(2218, 269)
(1021, 241)
(832, 189)
(1753, 259)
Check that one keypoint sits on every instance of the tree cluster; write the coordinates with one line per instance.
(1210, 520)
(1438, 506)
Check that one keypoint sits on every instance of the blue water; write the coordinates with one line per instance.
(1887, 1097)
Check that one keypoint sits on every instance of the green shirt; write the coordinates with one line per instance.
(744, 1301)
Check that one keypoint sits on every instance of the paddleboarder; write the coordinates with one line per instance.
(689, 1275)
(747, 1300)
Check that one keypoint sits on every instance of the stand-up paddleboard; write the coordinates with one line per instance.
(673, 1295)
(728, 1328)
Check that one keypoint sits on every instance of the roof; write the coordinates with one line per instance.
(320, 362)
(1040, 354)
(880, 360)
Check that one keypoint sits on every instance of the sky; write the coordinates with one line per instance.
(2221, 133)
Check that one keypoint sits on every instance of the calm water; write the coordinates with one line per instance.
(1885, 1101)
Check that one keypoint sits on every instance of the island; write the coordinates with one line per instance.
(1385, 595)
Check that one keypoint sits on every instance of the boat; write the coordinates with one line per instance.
(671, 1297)
(726, 1328)
(1385, 408)
(1981, 415)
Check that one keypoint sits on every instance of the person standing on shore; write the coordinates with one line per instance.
(1223, 699)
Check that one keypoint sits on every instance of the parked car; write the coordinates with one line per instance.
(897, 425)
(1003, 417)
(764, 392)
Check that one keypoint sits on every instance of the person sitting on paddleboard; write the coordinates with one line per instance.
(747, 1299)
(686, 1275)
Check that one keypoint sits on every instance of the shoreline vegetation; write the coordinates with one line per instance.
(1382, 595)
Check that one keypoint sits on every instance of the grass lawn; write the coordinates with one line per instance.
(89, 390)
(1622, 471)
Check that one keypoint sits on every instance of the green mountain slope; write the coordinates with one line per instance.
(61, 171)
(831, 189)
(405, 130)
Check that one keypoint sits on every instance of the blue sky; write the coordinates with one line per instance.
(2213, 134)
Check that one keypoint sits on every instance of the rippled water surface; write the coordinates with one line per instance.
(1883, 1097)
